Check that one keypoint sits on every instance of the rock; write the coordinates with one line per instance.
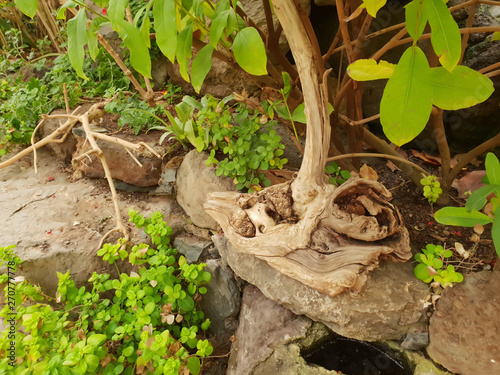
(464, 328)
(64, 151)
(191, 246)
(265, 325)
(222, 80)
(120, 163)
(129, 188)
(221, 304)
(417, 338)
(166, 185)
(389, 305)
(194, 181)
(159, 71)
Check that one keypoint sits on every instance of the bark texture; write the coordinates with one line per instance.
(325, 236)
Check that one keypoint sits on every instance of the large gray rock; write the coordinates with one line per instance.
(221, 304)
(389, 305)
(266, 340)
(191, 246)
(464, 328)
(194, 181)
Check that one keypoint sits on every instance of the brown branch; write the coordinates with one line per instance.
(344, 30)
(469, 24)
(350, 122)
(123, 67)
(493, 74)
(490, 67)
(444, 150)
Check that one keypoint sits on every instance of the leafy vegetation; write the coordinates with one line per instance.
(430, 267)
(336, 175)
(486, 196)
(145, 322)
(432, 188)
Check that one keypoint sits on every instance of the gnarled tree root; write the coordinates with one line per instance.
(339, 237)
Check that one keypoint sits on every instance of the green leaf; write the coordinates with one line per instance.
(183, 53)
(287, 87)
(477, 199)
(61, 13)
(139, 53)
(28, 7)
(77, 39)
(406, 104)
(250, 52)
(495, 232)
(201, 66)
(217, 27)
(149, 308)
(461, 217)
(299, 114)
(96, 340)
(116, 13)
(92, 362)
(422, 273)
(193, 365)
(415, 25)
(186, 304)
(146, 25)
(164, 15)
(94, 27)
(492, 169)
(496, 36)
(373, 6)
(128, 351)
(368, 70)
(445, 34)
(101, 3)
(462, 88)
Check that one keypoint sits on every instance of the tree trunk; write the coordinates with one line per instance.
(325, 236)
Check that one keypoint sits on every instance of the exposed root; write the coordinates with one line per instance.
(60, 134)
(340, 236)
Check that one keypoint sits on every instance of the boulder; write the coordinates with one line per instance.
(266, 339)
(194, 181)
(465, 326)
(191, 246)
(122, 166)
(389, 305)
(221, 304)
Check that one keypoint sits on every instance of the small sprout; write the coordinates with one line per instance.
(436, 284)
(474, 237)
(478, 229)
(432, 271)
(432, 188)
(460, 249)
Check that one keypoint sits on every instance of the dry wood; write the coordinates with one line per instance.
(327, 237)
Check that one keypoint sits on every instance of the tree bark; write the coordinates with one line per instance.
(325, 236)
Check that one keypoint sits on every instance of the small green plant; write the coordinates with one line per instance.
(242, 142)
(432, 188)
(151, 325)
(469, 215)
(172, 93)
(336, 175)
(430, 267)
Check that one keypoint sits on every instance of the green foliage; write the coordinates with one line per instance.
(134, 113)
(172, 93)
(241, 141)
(413, 87)
(432, 188)
(430, 267)
(150, 324)
(469, 215)
(336, 175)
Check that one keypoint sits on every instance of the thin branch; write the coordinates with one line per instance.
(469, 24)
(375, 155)
(490, 67)
(350, 122)
(344, 30)
(444, 149)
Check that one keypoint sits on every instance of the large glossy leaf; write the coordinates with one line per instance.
(61, 13)
(415, 19)
(201, 66)
(77, 39)
(146, 25)
(492, 168)
(116, 13)
(462, 88)
(368, 70)
(406, 104)
(461, 217)
(92, 35)
(445, 34)
(477, 199)
(183, 53)
(166, 28)
(250, 52)
(373, 6)
(139, 53)
(217, 27)
(28, 7)
(101, 3)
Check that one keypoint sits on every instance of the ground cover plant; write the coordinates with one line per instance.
(144, 322)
